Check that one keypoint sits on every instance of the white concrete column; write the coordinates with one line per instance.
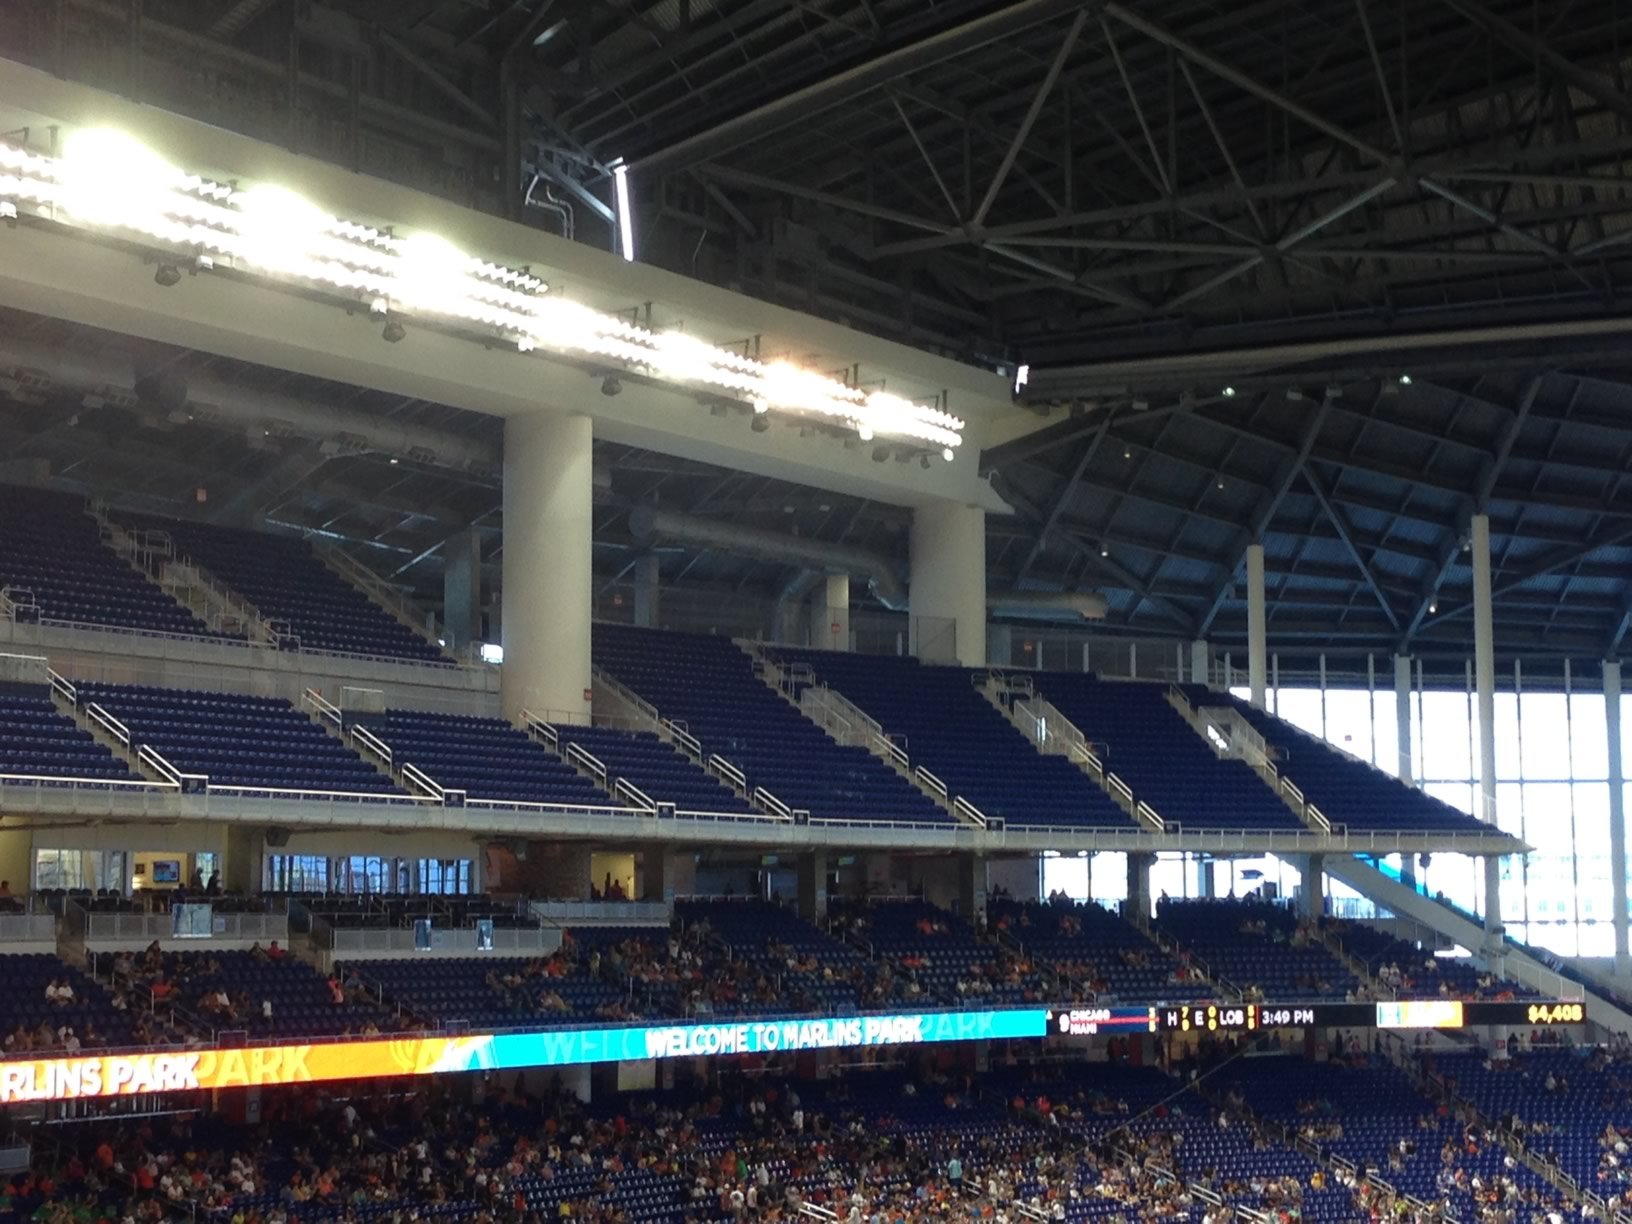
(462, 588)
(1484, 667)
(648, 575)
(1000, 646)
(948, 592)
(1312, 889)
(974, 880)
(1201, 664)
(548, 506)
(1402, 716)
(812, 884)
(1257, 628)
(1139, 865)
(1617, 812)
(830, 614)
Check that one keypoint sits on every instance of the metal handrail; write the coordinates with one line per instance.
(108, 723)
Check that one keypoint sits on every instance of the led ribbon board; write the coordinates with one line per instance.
(108, 183)
(59, 1079)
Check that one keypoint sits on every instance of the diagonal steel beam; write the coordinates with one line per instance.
(934, 171)
(1052, 516)
(1600, 89)
(1340, 523)
(1489, 473)
(1115, 569)
(1619, 534)
(1264, 513)
(1238, 78)
(1050, 79)
(437, 81)
(822, 95)
(1623, 625)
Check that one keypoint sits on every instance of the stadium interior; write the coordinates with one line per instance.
(819, 611)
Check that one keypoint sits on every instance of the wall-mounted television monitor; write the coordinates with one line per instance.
(166, 871)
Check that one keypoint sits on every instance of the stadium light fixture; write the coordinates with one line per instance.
(626, 220)
(105, 181)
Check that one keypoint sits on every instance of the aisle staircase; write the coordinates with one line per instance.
(847, 724)
(617, 701)
(1053, 734)
(152, 554)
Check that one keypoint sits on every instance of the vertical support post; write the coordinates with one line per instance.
(1617, 812)
(1312, 901)
(1257, 627)
(813, 886)
(948, 591)
(1000, 646)
(1484, 667)
(549, 489)
(973, 885)
(1201, 664)
(648, 599)
(462, 588)
(1402, 717)
(1139, 865)
(831, 629)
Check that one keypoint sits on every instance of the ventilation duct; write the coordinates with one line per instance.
(285, 415)
(1049, 605)
(649, 525)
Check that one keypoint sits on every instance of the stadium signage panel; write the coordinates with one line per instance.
(1091, 1021)
(58, 1079)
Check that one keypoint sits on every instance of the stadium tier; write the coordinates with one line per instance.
(1410, 971)
(487, 758)
(946, 726)
(48, 1008)
(708, 685)
(284, 580)
(560, 989)
(1096, 951)
(1255, 947)
(267, 995)
(661, 772)
(1369, 1114)
(257, 743)
(942, 957)
(38, 740)
(1347, 789)
(1161, 757)
(54, 567)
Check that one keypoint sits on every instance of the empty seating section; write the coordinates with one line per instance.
(1094, 949)
(487, 758)
(38, 740)
(259, 743)
(25, 1010)
(1159, 755)
(708, 685)
(1348, 790)
(663, 773)
(286, 582)
(1255, 946)
(949, 728)
(52, 549)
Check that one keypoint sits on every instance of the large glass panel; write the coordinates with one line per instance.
(1508, 764)
(1589, 737)
(1445, 754)
(1545, 730)
(1385, 725)
(1108, 878)
(1067, 875)
(1348, 721)
(1301, 708)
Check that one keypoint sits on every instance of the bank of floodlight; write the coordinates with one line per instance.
(107, 182)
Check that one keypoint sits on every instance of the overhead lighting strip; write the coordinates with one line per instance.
(106, 181)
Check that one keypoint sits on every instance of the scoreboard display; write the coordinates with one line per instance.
(1403, 1014)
